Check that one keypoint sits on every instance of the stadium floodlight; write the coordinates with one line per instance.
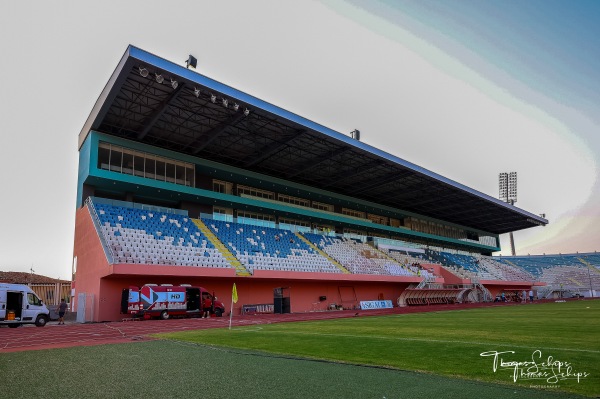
(174, 83)
(191, 62)
(159, 78)
(143, 72)
(225, 102)
(236, 106)
(507, 184)
(246, 112)
(213, 98)
(196, 92)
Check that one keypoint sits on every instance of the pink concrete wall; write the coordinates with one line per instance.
(91, 261)
(105, 282)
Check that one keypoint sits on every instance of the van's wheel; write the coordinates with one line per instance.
(218, 312)
(41, 321)
(13, 325)
(164, 315)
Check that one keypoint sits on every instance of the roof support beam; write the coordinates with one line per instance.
(348, 174)
(216, 132)
(270, 149)
(160, 110)
(378, 182)
(313, 163)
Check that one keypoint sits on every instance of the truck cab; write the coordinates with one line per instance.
(20, 305)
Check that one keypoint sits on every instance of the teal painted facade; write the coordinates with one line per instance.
(141, 187)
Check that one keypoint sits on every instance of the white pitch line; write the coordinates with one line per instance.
(423, 340)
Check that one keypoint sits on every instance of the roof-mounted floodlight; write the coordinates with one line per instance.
(225, 102)
(196, 92)
(144, 72)
(174, 83)
(159, 78)
(246, 112)
(236, 106)
(213, 98)
(191, 62)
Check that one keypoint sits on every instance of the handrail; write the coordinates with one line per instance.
(110, 255)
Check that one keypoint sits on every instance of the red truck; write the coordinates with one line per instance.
(166, 300)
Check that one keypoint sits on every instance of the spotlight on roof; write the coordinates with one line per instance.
(225, 102)
(144, 72)
(196, 92)
(213, 98)
(236, 106)
(191, 62)
(159, 78)
(246, 112)
(174, 83)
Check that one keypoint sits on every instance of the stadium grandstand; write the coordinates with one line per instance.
(185, 180)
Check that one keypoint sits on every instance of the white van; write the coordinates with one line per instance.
(20, 305)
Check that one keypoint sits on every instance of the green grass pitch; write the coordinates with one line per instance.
(403, 356)
(447, 343)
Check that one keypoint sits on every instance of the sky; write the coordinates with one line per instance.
(466, 89)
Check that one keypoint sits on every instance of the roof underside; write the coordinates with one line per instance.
(274, 142)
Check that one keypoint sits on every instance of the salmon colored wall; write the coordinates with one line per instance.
(91, 261)
(497, 287)
(304, 296)
(105, 282)
(448, 276)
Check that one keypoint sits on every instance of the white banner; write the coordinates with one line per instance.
(367, 305)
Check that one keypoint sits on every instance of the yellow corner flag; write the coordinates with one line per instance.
(234, 296)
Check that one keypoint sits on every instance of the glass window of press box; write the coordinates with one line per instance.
(137, 163)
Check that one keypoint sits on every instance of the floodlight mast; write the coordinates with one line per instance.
(508, 193)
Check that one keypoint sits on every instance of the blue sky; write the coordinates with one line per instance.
(548, 46)
(466, 89)
(539, 58)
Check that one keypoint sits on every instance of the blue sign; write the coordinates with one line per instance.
(369, 305)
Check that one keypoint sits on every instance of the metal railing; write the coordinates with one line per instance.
(110, 255)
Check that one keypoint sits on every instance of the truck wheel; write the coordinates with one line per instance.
(218, 312)
(13, 325)
(41, 321)
(164, 315)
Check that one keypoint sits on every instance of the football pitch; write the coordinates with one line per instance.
(419, 355)
(551, 347)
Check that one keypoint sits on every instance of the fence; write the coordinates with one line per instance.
(51, 294)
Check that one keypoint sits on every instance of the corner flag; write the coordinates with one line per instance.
(234, 295)
(234, 299)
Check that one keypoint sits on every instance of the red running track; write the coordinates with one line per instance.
(75, 334)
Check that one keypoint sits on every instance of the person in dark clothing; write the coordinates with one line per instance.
(62, 309)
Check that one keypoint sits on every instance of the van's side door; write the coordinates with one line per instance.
(32, 306)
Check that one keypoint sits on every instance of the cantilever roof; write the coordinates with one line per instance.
(279, 143)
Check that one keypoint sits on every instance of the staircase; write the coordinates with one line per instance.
(240, 270)
(589, 265)
(487, 295)
(322, 253)
(577, 283)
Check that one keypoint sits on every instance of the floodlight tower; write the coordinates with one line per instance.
(508, 193)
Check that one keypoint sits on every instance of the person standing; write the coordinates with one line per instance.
(530, 295)
(206, 307)
(524, 296)
(62, 309)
